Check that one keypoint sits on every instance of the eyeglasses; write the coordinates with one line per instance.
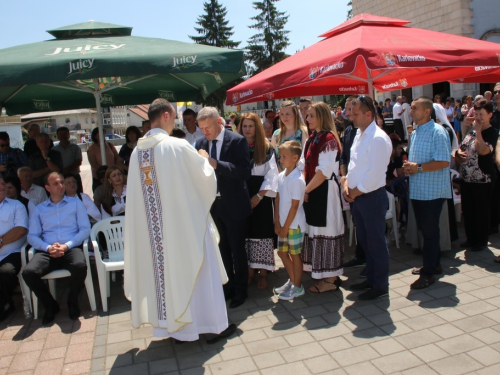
(496, 92)
(4, 145)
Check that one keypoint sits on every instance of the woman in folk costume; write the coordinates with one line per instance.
(324, 238)
(173, 269)
(262, 186)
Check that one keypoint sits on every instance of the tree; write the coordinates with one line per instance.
(268, 46)
(214, 31)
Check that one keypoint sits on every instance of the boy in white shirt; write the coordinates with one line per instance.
(290, 219)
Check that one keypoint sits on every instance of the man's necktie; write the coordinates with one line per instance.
(213, 151)
(213, 155)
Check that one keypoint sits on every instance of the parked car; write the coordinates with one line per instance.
(113, 136)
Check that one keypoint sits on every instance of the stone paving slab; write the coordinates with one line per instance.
(453, 327)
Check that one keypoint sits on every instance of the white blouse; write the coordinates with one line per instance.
(270, 172)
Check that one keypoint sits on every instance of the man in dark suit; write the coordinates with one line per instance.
(227, 153)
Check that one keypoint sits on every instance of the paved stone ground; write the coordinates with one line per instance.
(453, 327)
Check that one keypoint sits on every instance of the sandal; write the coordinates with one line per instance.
(497, 259)
(315, 288)
(423, 282)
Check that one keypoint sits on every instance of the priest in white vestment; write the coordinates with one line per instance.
(173, 269)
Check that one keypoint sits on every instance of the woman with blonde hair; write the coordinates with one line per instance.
(291, 128)
(262, 187)
(323, 249)
(114, 193)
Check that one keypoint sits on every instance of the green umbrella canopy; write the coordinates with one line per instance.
(63, 73)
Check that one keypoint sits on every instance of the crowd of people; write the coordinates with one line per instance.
(281, 182)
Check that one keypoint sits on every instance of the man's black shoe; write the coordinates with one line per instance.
(372, 293)
(423, 282)
(465, 244)
(50, 314)
(362, 274)
(478, 248)
(236, 302)
(74, 312)
(361, 286)
(6, 312)
(226, 333)
(228, 295)
(354, 262)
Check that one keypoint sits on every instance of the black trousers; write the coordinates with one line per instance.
(360, 253)
(495, 203)
(232, 249)
(42, 264)
(476, 206)
(9, 268)
(398, 128)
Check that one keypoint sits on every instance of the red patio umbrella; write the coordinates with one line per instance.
(369, 52)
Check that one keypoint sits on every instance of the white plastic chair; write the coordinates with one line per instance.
(457, 199)
(51, 278)
(112, 228)
(390, 214)
(24, 288)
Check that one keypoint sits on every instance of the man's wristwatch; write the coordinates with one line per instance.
(47, 159)
(259, 196)
(419, 168)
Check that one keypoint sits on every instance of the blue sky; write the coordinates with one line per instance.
(26, 21)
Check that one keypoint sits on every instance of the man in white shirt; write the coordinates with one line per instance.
(397, 113)
(364, 188)
(36, 194)
(13, 230)
(304, 105)
(193, 132)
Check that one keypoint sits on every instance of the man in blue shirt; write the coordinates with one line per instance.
(13, 229)
(429, 169)
(57, 229)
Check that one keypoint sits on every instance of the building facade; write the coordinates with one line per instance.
(479, 19)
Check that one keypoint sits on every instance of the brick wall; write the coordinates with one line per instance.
(449, 16)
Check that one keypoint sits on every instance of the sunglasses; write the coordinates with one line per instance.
(496, 92)
(370, 106)
(4, 145)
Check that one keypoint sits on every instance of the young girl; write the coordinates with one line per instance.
(291, 128)
(324, 238)
(262, 186)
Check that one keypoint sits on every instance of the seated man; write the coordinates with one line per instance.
(13, 229)
(44, 161)
(36, 194)
(395, 167)
(57, 230)
(10, 158)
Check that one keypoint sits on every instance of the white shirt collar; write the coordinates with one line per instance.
(220, 137)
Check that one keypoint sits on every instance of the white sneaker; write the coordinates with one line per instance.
(283, 288)
(292, 293)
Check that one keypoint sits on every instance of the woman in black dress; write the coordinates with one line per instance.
(262, 186)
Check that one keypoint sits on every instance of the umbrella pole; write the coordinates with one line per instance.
(370, 83)
(97, 96)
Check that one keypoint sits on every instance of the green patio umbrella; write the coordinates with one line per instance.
(93, 64)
